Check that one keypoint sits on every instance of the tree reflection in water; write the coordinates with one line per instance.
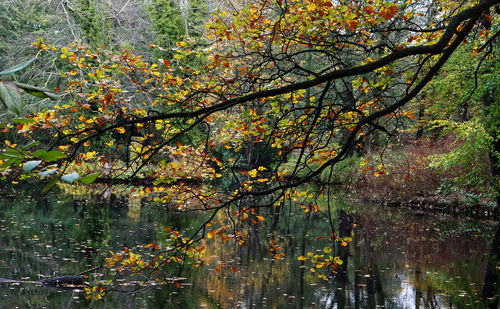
(396, 259)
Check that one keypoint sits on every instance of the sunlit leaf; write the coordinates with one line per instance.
(88, 179)
(32, 144)
(24, 120)
(70, 178)
(31, 165)
(44, 174)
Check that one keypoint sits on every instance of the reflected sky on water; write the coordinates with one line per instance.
(397, 258)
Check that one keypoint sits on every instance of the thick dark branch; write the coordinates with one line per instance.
(436, 48)
(351, 141)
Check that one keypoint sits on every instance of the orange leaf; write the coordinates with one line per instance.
(120, 130)
(368, 9)
(352, 25)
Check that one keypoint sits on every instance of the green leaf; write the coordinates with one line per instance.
(89, 178)
(70, 178)
(12, 153)
(32, 144)
(48, 156)
(37, 91)
(30, 165)
(17, 67)
(6, 164)
(24, 120)
(10, 97)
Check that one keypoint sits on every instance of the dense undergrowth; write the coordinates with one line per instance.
(407, 171)
(411, 175)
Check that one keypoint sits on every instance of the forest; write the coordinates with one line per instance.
(259, 153)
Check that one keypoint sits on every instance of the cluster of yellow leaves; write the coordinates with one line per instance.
(379, 169)
(126, 260)
(323, 261)
(311, 206)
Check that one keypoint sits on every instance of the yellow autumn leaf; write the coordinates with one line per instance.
(253, 173)
(89, 155)
(379, 173)
(120, 130)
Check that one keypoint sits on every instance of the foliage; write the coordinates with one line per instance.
(311, 80)
(23, 22)
(468, 153)
(11, 92)
(94, 21)
(460, 111)
(168, 22)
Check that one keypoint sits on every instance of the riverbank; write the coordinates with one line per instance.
(403, 175)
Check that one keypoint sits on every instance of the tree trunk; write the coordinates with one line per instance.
(63, 281)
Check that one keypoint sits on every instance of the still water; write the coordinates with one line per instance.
(397, 258)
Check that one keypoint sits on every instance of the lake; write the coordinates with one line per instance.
(397, 258)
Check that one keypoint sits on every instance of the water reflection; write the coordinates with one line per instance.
(396, 259)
